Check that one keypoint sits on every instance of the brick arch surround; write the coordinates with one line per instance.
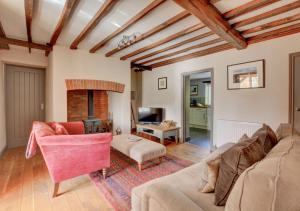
(77, 98)
(81, 84)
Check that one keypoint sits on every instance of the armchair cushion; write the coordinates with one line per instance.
(59, 129)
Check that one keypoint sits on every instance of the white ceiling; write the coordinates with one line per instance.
(47, 12)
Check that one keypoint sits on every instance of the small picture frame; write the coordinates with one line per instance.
(194, 90)
(248, 75)
(162, 83)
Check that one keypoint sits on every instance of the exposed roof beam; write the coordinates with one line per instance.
(201, 36)
(288, 30)
(248, 7)
(64, 17)
(23, 43)
(284, 31)
(201, 45)
(2, 34)
(129, 23)
(28, 4)
(268, 14)
(155, 30)
(139, 67)
(102, 12)
(165, 40)
(213, 19)
(272, 24)
(205, 52)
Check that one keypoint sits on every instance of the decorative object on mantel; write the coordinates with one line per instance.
(162, 83)
(128, 40)
(246, 75)
(194, 90)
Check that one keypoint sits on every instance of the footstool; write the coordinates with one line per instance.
(140, 151)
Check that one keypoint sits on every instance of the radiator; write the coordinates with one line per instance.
(232, 131)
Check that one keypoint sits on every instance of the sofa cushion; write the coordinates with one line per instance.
(42, 129)
(272, 183)
(185, 181)
(213, 171)
(233, 162)
(283, 131)
(213, 156)
(59, 128)
(267, 137)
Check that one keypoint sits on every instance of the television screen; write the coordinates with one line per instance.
(150, 115)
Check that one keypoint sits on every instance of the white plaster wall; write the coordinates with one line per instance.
(17, 56)
(268, 105)
(80, 64)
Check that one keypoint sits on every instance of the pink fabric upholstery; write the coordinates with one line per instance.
(68, 156)
(39, 129)
(59, 128)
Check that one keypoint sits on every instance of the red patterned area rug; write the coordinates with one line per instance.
(123, 175)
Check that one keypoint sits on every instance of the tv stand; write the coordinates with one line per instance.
(158, 131)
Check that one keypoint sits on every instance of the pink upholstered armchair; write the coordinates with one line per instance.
(68, 156)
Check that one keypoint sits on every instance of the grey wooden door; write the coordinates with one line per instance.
(297, 92)
(25, 97)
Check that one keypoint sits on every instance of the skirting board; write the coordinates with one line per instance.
(2, 151)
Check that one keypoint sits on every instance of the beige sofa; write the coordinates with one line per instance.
(271, 184)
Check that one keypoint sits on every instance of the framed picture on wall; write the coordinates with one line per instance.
(162, 83)
(194, 90)
(246, 75)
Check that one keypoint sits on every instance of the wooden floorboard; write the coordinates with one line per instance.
(25, 185)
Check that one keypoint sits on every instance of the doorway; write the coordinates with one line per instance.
(198, 108)
(24, 98)
(295, 90)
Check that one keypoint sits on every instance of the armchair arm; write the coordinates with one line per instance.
(86, 139)
(175, 200)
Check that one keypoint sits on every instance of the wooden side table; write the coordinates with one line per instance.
(159, 132)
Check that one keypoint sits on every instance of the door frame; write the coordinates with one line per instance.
(3, 72)
(291, 86)
(183, 113)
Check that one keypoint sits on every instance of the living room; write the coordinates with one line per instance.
(78, 77)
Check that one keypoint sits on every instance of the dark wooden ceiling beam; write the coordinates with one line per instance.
(213, 19)
(201, 45)
(272, 24)
(153, 31)
(129, 23)
(284, 31)
(248, 7)
(2, 34)
(268, 14)
(193, 39)
(101, 13)
(201, 53)
(67, 12)
(10, 41)
(165, 40)
(28, 4)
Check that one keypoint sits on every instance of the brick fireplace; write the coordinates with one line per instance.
(78, 105)
(88, 99)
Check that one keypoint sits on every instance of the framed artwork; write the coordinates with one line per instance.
(246, 75)
(162, 83)
(194, 90)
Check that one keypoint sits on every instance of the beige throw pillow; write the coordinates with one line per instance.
(245, 137)
(213, 171)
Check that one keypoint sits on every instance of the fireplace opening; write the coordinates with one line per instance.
(91, 107)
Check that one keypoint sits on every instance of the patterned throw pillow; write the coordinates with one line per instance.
(233, 162)
(59, 129)
(267, 137)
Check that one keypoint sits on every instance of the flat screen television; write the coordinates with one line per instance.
(150, 115)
